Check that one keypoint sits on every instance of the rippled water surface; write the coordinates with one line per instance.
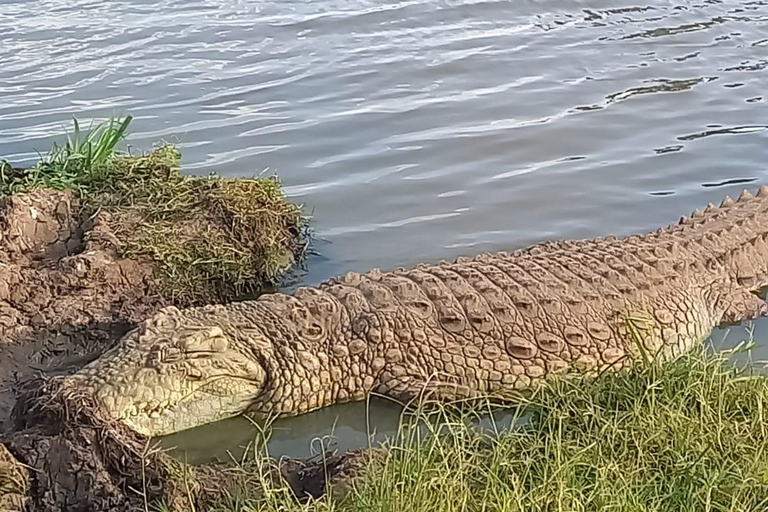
(414, 130)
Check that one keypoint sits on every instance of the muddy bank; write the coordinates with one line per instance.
(65, 295)
(85, 461)
(79, 268)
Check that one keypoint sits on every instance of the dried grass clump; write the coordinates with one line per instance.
(212, 239)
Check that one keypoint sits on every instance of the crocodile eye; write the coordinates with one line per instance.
(193, 374)
(219, 344)
(746, 281)
(211, 340)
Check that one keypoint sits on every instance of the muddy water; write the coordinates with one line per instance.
(414, 130)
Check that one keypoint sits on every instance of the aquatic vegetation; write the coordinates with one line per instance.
(211, 239)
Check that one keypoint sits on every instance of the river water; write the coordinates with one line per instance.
(413, 130)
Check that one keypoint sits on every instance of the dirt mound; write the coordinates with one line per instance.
(82, 460)
(64, 294)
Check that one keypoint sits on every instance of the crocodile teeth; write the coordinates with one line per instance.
(154, 414)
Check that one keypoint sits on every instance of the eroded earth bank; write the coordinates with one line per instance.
(74, 277)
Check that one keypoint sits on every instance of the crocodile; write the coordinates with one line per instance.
(482, 326)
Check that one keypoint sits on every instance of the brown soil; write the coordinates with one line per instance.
(65, 297)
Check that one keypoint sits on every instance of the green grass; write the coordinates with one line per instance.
(79, 164)
(210, 239)
(687, 435)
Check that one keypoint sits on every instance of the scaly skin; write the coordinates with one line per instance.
(482, 326)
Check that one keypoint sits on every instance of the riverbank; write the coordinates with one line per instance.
(90, 246)
(688, 435)
(685, 435)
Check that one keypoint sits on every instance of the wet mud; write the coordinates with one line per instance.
(64, 294)
(64, 298)
(64, 453)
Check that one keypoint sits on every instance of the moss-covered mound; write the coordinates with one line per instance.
(212, 239)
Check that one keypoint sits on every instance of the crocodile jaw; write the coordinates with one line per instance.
(176, 372)
(157, 403)
(197, 409)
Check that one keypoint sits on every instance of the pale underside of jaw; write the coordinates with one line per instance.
(195, 408)
(170, 421)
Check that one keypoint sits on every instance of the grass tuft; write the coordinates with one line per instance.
(210, 239)
(77, 165)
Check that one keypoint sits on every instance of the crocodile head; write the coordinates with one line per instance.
(179, 370)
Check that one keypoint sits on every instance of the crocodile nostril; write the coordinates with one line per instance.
(219, 344)
(172, 355)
